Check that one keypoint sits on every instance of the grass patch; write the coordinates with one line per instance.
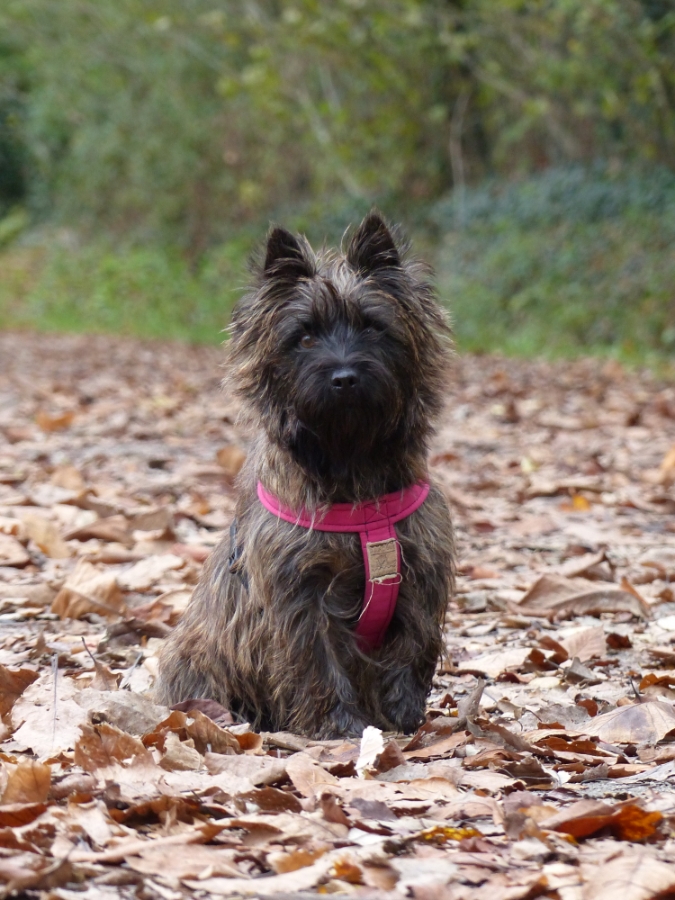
(146, 292)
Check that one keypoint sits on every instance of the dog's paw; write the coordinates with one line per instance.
(405, 717)
(342, 722)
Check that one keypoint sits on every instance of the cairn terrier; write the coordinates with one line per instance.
(323, 610)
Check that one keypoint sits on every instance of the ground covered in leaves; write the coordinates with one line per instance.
(546, 766)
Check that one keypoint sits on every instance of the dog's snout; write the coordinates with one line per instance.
(344, 379)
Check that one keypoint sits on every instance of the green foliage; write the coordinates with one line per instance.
(12, 150)
(570, 262)
(565, 263)
(182, 120)
(165, 135)
(142, 292)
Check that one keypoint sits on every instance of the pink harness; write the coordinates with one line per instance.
(374, 520)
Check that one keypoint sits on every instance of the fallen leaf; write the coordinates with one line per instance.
(46, 723)
(308, 777)
(68, 477)
(668, 466)
(14, 815)
(101, 745)
(231, 458)
(146, 573)
(89, 589)
(27, 782)
(560, 597)
(179, 756)
(45, 534)
(167, 861)
(12, 552)
(637, 724)
(495, 662)
(13, 682)
(133, 713)
(58, 422)
(636, 873)
(215, 712)
(296, 859)
(112, 528)
(586, 644)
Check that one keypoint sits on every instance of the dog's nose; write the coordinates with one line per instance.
(344, 379)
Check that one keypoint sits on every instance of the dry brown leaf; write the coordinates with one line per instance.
(561, 598)
(308, 777)
(30, 871)
(27, 782)
(270, 799)
(104, 679)
(180, 756)
(14, 815)
(102, 745)
(231, 458)
(37, 595)
(40, 725)
(56, 422)
(132, 846)
(145, 574)
(89, 589)
(444, 747)
(13, 682)
(199, 861)
(209, 736)
(495, 662)
(12, 552)
(296, 859)
(668, 466)
(159, 518)
(586, 644)
(46, 535)
(256, 769)
(217, 713)
(638, 724)
(112, 528)
(68, 477)
(289, 882)
(636, 874)
(131, 712)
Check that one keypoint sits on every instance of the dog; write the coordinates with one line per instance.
(322, 612)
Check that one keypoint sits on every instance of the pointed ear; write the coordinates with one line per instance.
(373, 247)
(286, 255)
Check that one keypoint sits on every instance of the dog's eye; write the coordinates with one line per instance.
(307, 341)
(373, 329)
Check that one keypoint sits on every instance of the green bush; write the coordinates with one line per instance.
(149, 292)
(571, 261)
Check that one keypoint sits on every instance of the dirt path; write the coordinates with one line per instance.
(116, 469)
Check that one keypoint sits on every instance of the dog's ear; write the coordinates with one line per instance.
(286, 256)
(373, 246)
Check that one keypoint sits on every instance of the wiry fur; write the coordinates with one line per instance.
(277, 645)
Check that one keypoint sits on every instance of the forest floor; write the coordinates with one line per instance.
(546, 766)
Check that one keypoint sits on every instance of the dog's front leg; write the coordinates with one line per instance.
(319, 694)
(404, 698)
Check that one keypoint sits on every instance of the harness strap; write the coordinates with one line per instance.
(374, 521)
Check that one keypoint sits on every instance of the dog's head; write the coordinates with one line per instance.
(341, 356)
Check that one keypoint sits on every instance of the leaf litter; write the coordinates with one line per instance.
(546, 765)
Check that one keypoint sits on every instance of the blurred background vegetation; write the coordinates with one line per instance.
(527, 145)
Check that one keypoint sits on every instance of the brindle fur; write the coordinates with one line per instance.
(271, 636)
